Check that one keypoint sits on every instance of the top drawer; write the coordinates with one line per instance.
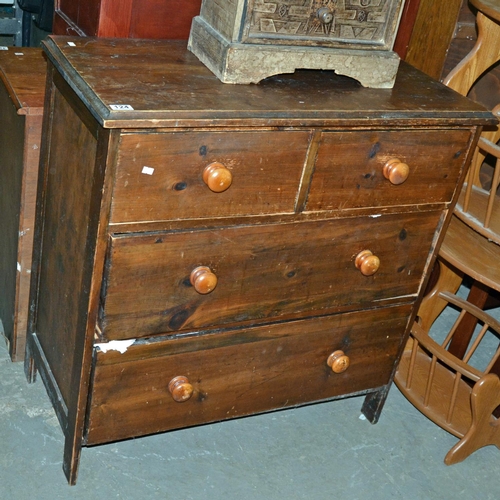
(349, 171)
(161, 176)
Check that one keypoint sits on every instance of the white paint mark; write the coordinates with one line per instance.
(121, 107)
(116, 345)
(72, 44)
(148, 170)
(362, 417)
(375, 216)
(18, 267)
(19, 53)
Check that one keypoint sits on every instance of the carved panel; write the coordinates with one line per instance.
(366, 22)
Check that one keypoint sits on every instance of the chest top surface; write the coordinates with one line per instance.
(23, 72)
(157, 83)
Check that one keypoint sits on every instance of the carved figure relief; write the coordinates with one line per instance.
(352, 20)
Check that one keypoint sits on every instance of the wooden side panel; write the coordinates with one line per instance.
(33, 132)
(408, 17)
(155, 19)
(265, 273)
(169, 19)
(431, 36)
(114, 19)
(11, 185)
(63, 284)
(241, 372)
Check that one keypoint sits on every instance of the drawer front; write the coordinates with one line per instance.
(349, 170)
(161, 176)
(241, 372)
(263, 272)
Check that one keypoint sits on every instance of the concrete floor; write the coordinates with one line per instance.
(314, 452)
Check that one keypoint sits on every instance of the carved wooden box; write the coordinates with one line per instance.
(244, 41)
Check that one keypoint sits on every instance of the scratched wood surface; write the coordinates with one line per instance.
(97, 280)
(265, 273)
(243, 372)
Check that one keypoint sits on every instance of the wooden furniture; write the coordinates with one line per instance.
(471, 247)
(206, 251)
(450, 390)
(170, 19)
(245, 41)
(431, 35)
(22, 88)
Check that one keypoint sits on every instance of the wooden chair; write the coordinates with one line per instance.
(450, 391)
(437, 377)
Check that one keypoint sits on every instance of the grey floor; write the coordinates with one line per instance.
(314, 452)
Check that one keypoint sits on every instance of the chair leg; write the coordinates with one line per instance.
(485, 428)
(432, 306)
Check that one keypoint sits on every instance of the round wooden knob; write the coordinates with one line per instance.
(338, 361)
(325, 15)
(203, 280)
(395, 171)
(367, 263)
(180, 388)
(217, 177)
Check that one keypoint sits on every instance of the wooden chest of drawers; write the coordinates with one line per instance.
(205, 251)
(22, 90)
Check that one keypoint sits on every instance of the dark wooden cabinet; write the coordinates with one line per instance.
(162, 19)
(22, 88)
(205, 251)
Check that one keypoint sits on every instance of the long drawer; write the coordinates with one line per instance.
(169, 176)
(263, 273)
(350, 170)
(240, 372)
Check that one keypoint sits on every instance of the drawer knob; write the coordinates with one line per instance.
(203, 279)
(180, 388)
(395, 171)
(367, 263)
(338, 361)
(217, 177)
(325, 15)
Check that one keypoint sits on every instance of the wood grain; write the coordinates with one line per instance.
(22, 90)
(358, 159)
(176, 188)
(265, 272)
(242, 372)
(432, 34)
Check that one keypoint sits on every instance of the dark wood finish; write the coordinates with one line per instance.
(22, 74)
(159, 19)
(179, 161)
(233, 379)
(264, 272)
(406, 24)
(360, 158)
(288, 292)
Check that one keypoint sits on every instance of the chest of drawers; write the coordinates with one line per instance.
(205, 251)
(22, 89)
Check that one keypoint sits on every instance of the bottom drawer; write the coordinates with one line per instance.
(240, 372)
